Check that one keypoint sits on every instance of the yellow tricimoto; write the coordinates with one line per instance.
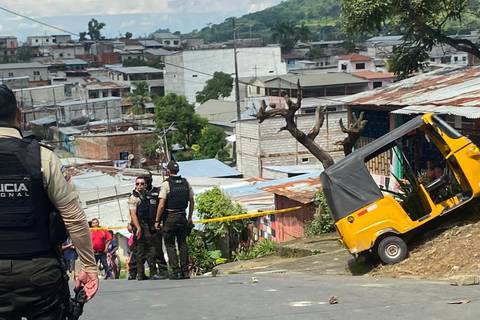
(378, 219)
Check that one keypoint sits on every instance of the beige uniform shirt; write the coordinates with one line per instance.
(63, 196)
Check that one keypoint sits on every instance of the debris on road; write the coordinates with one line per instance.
(254, 280)
(333, 300)
(461, 301)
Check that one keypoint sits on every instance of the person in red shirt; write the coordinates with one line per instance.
(101, 238)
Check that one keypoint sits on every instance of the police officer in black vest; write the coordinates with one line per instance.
(176, 196)
(33, 186)
(142, 217)
(152, 195)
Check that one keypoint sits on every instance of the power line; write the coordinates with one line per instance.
(38, 21)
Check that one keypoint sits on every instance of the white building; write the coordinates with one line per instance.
(42, 41)
(92, 109)
(187, 72)
(128, 75)
(355, 62)
(34, 70)
(168, 40)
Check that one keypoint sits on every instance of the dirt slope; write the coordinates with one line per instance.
(450, 248)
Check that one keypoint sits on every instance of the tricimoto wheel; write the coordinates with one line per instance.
(392, 249)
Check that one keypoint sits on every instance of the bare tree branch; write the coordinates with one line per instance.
(353, 132)
(307, 140)
(319, 119)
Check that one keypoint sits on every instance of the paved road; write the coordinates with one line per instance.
(281, 297)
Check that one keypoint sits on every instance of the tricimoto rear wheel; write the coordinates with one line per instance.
(392, 249)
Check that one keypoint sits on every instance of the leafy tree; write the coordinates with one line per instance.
(303, 33)
(175, 109)
(212, 143)
(128, 35)
(94, 28)
(285, 34)
(219, 86)
(83, 36)
(139, 97)
(423, 23)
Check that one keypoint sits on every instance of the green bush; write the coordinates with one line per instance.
(200, 255)
(258, 250)
(322, 221)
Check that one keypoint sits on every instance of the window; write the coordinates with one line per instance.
(175, 42)
(194, 75)
(360, 66)
(36, 73)
(464, 59)
(258, 90)
(10, 74)
(455, 59)
(432, 59)
(125, 77)
(60, 55)
(36, 40)
(167, 42)
(271, 71)
(377, 84)
(344, 67)
(46, 40)
(305, 160)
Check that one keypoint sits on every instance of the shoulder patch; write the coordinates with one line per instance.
(65, 173)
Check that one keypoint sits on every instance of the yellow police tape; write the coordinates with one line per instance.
(224, 219)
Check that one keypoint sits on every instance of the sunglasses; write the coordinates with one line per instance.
(140, 183)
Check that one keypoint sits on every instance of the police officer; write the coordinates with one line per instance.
(176, 196)
(152, 194)
(32, 186)
(143, 230)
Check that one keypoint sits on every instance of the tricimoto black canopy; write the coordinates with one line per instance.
(348, 185)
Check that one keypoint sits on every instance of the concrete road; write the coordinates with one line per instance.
(280, 296)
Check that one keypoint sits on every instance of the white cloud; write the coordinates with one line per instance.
(49, 8)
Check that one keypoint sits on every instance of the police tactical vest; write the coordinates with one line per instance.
(179, 195)
(146, 209)
(24, 204)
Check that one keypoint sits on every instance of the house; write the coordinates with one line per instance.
(219, 113)
(113, 145)
(376, 79)
(128, 75)
(8, 47)
(34, 70)
(40, 96)
(66, 50)
(187, 72)
(168, 40)
(16, 82)
(261, 145)
(451, 91)
(94, 88)
(382, 46)
(355, 62)
(157, 54)
(150, 44)
(91, 109)
(42, 41)
(299, 191)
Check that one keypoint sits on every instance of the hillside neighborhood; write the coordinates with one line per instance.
(263, 121)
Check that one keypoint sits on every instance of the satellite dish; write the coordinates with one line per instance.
(143, 160)
(130, 129)
(130, 157)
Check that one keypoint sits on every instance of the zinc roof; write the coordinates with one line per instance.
(455, 89)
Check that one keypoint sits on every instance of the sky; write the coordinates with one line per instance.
(141, 17)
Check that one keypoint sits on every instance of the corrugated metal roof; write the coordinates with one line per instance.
(454, 87)
(211, 168)
(132, 70)
(44, 121)
(467, 112)
(300, 169)
(313, 80)
(302, 190)
(26, 65)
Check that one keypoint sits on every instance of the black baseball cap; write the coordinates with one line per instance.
(173, 166)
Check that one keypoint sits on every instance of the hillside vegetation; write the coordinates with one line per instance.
(323, 17)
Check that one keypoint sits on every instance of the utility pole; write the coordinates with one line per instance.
(237, 87)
